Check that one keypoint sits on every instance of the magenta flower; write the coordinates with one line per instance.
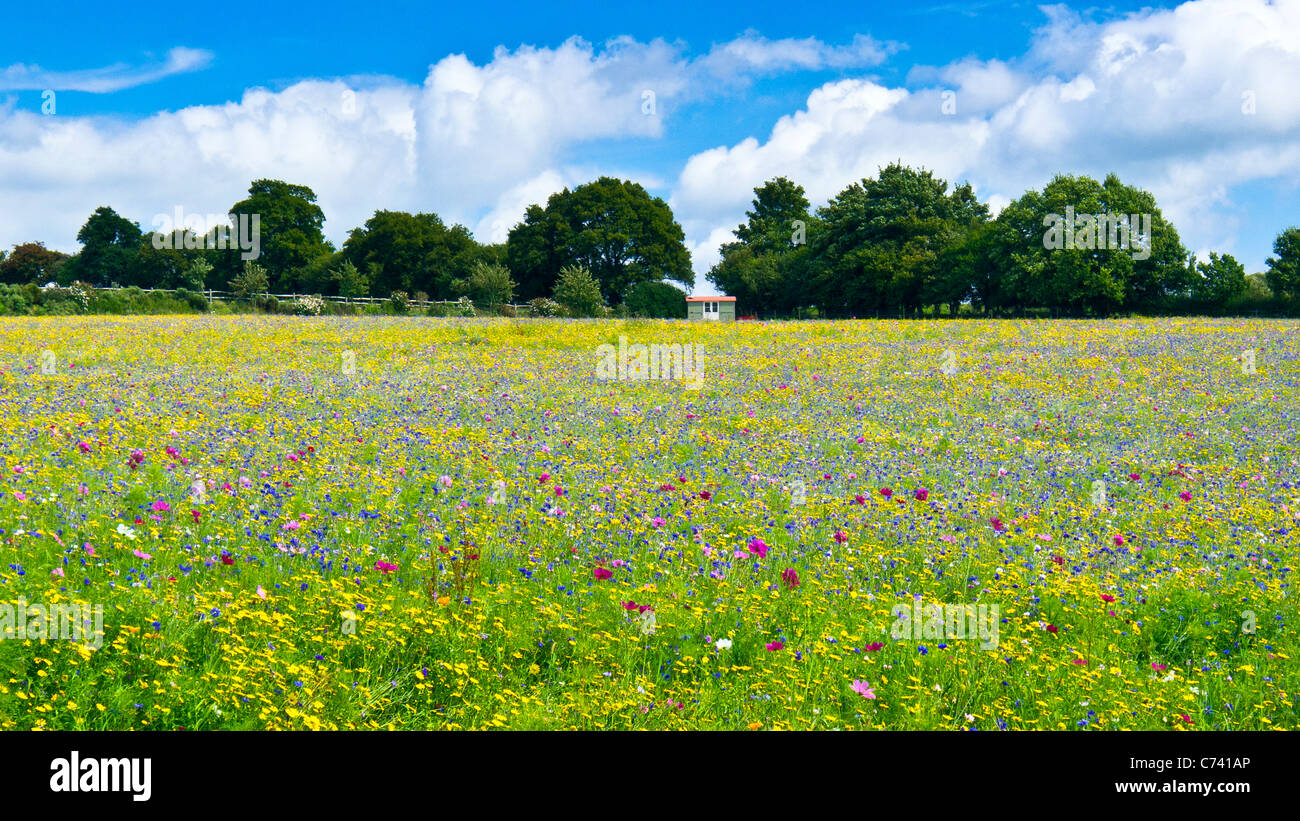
(385, 567)
(602, 574)
(886, 492)
(921, 494)
(791, 578)
(758, 547)
(161, 507)
(1186, 496)
(776, 645)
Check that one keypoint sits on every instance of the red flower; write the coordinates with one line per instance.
(602, 574)
(226, 558)
(705, 495)
(873, 647)
(1051, 628)
(859, 499)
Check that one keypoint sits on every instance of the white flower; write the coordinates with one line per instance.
(647, 623)
(722, 644)
(123, 530)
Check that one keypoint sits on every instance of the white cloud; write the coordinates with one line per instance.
(19, 77)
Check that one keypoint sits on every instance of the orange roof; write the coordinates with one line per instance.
(710, 299)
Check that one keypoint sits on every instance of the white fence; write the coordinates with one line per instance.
(356, 300)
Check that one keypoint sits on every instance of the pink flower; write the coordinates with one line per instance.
(658, 521)
(1107, 598)
(997, 524)
(385, 567)
(58, 571)
(776, 645)
(618, 562)
(1119, 540)
(790, 577)
(863, 689)
(160, 507)
(1186, 496)
(20, 496)
(841, 537)
(559, 491)
(1159, 667)
(541, 480)
(1133, 477)
(140, 555)
(602, 574)
(758, 547)
(921, 494)
(83, 447)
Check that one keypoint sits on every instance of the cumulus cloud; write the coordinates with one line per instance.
(19, 77)
(475, 143)
(1186, 102)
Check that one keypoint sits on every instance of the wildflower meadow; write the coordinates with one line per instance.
(264, 522)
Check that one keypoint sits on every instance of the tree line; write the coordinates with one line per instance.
(899, 244)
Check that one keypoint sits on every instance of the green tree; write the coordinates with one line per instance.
(109, 245)
(758, 267)
(290, 231)
(613, 228)
(1284, 266)
(351, 282)
(31, 262)
(884, 240)
(1217, 281)
(413, 252)
(1037, 258)
(579, 292)
(250, 282)
(488, 284)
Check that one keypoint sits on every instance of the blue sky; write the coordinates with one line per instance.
(473, 110)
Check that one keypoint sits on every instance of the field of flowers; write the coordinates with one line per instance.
(432, 523)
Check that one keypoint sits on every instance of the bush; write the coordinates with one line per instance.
(399, 302)
(463, 307)
(656, 300)
(307, 306)
(543, 307)
(579, 292)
